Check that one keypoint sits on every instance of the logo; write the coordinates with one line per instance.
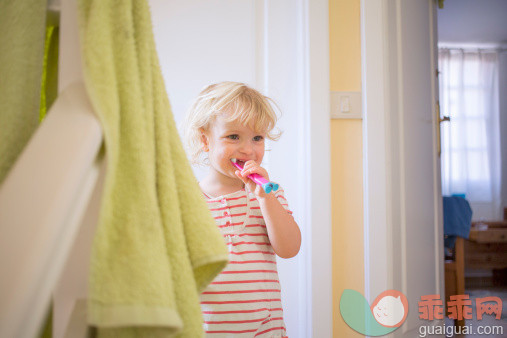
(390, 309)
(459, 307)
(387, 312)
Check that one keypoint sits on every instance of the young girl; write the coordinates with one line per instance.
(230, 121)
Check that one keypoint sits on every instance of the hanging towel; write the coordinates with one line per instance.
(156, 246)
(49, 88)
(22, 31)
(457, 219)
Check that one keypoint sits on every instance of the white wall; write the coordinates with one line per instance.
(192, 57)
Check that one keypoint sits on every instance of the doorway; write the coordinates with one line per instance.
(473, 73)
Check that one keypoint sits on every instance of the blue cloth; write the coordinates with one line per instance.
(457, 219)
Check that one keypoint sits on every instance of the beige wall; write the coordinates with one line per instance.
(346, 159)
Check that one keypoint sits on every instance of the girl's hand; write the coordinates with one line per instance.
(251, 167)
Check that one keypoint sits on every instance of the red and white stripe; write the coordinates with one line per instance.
(245, 299)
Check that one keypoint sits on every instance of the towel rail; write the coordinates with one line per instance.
(42, 201)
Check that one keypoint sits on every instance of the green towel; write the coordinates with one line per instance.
(49, 88)
(156, 246)
(22, 31)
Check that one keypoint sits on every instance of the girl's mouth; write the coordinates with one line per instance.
(237, 162)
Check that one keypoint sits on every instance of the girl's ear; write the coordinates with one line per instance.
(204, 140)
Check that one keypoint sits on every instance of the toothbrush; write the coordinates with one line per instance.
(264, 183)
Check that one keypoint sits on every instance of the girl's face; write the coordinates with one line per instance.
(227, 140)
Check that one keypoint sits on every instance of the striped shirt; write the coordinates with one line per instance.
(244, 300)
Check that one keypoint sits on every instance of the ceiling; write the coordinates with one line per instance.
(473, 21)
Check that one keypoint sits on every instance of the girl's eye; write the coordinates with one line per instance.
(258, 138)
(233, 137)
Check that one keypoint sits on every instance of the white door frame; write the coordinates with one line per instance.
(313, 209)
(307, 126)
(379, 21)
(375, 88)
(315, 24)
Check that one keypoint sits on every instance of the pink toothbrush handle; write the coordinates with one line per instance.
(254, 177)
(260, 180)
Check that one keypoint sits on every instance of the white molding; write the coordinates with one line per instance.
(302, 58)
(261, 48)
(400, 166)
(304, 264)
(438, 203)
(375, 148)
(317, 94)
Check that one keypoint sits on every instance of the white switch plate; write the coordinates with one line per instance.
(338, 108)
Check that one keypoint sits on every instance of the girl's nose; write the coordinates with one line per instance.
(246, 148)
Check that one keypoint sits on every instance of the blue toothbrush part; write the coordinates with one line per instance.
(267, 187)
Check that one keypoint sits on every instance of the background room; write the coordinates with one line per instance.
(472, 40)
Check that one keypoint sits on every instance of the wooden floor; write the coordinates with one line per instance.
(488, 320)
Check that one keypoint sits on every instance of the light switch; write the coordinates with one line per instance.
(346, 105)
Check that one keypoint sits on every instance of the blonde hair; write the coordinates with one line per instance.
(237, 102)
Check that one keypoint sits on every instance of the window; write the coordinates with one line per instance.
(471, 142)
